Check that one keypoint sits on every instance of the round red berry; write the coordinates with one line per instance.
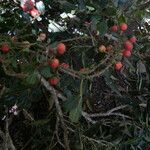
(114, 28)
(64, 65)
(54, 63)
(29, 5)
(126, 53)
(133, 39)
(123, 26)
(102, 48)
(34, 12)
(128, 45)
(5, 48)
(118, 66)
(109, 48)
(61, 49)
(53, 80)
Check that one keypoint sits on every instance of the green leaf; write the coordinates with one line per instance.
(75, 113)
(129, 64)
(103, 3)
(46, 71)
(90, 8)
(147, 138)
(110, 82)
(133, 140)
(102, 27)
(110, 11)
(67, 6)
(82, 5)
(14, 63)
(1, 19)
(95, 20)
(31, 79)
(27, 68)
(71, 101)
(121, 19)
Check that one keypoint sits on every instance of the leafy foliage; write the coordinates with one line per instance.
(93, 106)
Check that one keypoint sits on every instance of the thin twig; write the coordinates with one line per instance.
(76, 38)
(2, 135)
(13, 74)
(57, 132)
(98, 73)
(85, 75)
(84, 114)
(91, 139)
(2, 91)
(110, 37)
(87, 116)
(70, 72)
(55, 96)
(49, 88)
(8, 141)
(60, 114)
(92, 38)
(109, 113)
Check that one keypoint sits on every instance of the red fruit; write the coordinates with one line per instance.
(109, 48)
(64, 65)
(5, 48)
(102, 48)
(61, 49)
(123, 26)
(128, 45)
(114, 28)
(118, 66)
(24, 8)
(29, 5)
(133, 39)
(53, 81)
(126, 53)
(34, 12)
(54, 63)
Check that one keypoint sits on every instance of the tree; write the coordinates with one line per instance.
(74, 74)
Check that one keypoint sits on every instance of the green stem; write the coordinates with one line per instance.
(81, 89)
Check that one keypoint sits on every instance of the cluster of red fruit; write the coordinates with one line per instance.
(54, 63)
(122, 27)
(5, 48)
(128, 44)
(29, 8)
(103, 48)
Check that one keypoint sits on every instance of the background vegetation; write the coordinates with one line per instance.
(93, 107)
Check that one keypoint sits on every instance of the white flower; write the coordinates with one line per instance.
(14, 107)
(15, 113)
(14, 110)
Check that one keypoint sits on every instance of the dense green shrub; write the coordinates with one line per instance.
(85, 101)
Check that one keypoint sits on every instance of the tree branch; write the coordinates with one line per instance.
(87, 116)
(55, 96)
